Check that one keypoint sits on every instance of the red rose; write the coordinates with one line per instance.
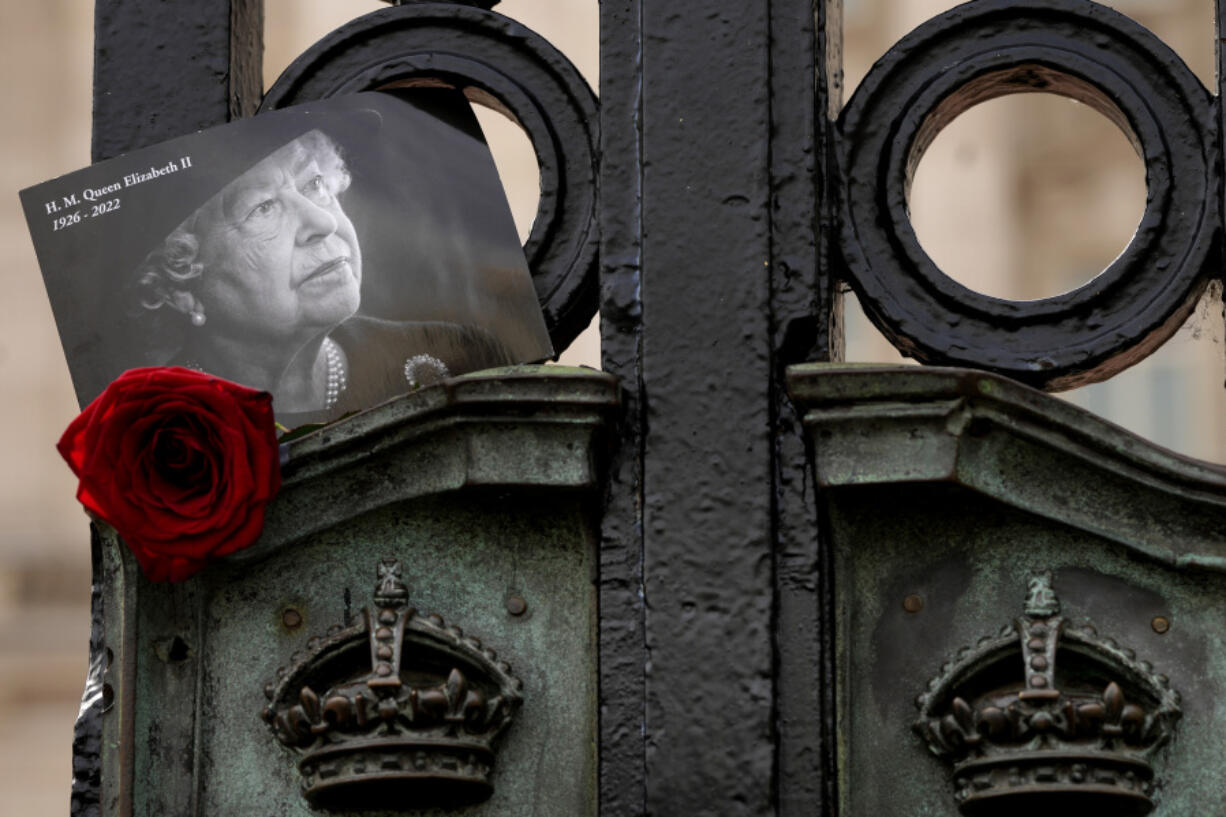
(180, 463)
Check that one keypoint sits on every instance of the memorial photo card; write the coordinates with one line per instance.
(335, 254)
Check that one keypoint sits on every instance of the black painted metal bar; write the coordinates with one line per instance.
(165, 69)
(161, 70)
(715, 277)
(623, 654)
(686, 124)
(805, 80)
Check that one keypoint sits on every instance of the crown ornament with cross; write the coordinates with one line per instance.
(397, 711)
(1049, 716)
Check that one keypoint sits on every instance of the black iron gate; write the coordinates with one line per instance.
(710, 205)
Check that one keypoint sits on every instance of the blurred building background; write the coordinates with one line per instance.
(1022, 197)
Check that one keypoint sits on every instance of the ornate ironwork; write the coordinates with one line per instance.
(719, 221)
(409, 709)
(984, 50)
(1083, 736)
(505, 66)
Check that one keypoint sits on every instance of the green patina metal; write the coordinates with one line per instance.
(484, 489)
(958, 487)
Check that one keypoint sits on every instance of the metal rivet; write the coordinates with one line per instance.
(1038, 662)
(1037, 644)
(383, 670)
(383, 652)
(1038, 681)
(291, 618)
(516, 606)
(913, 603)
(1160, 624)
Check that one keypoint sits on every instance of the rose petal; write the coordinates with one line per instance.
(181, 463)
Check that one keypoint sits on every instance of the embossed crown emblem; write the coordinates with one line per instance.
(397, 711)
(1049, 716)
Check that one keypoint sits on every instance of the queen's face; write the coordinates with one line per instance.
(279, 258)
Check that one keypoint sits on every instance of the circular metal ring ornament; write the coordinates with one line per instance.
(501, 64)
(988, 49)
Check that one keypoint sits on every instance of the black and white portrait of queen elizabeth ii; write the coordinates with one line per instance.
(263, 282)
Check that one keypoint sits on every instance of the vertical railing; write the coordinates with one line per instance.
(715, 131)
(160, 70)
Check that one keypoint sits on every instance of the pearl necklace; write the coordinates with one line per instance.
(338, 375)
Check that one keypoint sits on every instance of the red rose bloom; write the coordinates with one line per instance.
(180, 463)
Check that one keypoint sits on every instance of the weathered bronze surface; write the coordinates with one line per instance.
(989, 486)
(397, 708)
(483, 489)
(1072, 724)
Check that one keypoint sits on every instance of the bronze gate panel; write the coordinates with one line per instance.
(995, 546)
